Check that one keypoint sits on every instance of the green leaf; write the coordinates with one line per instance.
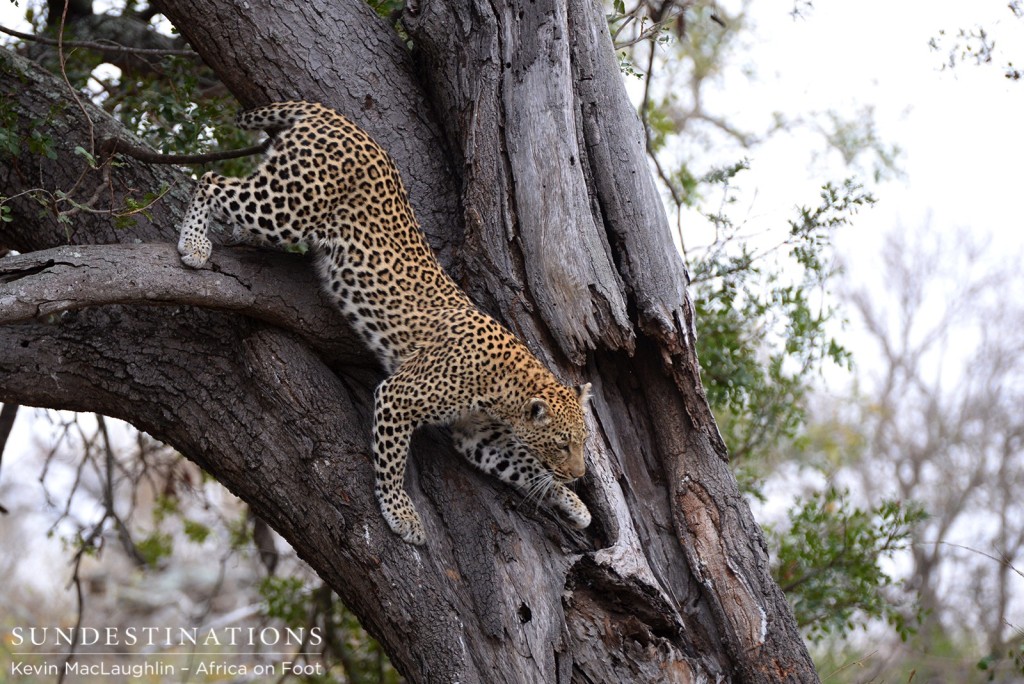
(197, 532)
(155, 548)
(827, 562)
(286, 599)
(82, 152)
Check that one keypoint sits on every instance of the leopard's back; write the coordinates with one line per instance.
(327, 183)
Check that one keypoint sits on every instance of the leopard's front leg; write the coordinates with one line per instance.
(392, 431)
(492, 447)
(572, 507)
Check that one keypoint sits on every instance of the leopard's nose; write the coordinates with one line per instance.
(577, 470)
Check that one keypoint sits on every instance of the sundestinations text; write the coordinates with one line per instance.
(166, 637)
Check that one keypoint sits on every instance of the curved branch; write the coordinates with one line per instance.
(276, 288)
(255, 409)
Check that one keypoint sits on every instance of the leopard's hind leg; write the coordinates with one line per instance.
(243, 204)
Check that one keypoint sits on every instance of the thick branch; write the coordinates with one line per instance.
(276, 288)
(8, 412)
(255, 409)
(503, 81)
(632, 211)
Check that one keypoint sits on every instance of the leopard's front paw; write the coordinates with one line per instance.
(574, 509)
(194, 250)
(403, 519)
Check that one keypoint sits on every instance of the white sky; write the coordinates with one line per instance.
(960, 129)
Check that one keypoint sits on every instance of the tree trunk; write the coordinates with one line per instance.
(525, 163)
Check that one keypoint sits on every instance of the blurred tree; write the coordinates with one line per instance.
(762, 292)
(977, 45)
(938, 409)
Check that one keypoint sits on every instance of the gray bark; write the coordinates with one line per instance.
(564, 238)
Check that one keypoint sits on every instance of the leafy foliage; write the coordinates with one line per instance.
(285, 599)
(828, 562)
(155, 547)
(762, 324)
(978, 46)
(192, 117)
(1011, 660)
(360, 659)
(857, 137)
(765, 320)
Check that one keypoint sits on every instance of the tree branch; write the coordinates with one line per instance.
(277, 288)
(111, 146)
(8, 412)
(255, 409)
(106, 47)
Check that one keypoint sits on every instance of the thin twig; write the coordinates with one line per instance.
(73, 647)
(63, 72)
(858, 662)
(645, 34)
(645, 106)
(104, 46)
(76, 581)
(1002, 561)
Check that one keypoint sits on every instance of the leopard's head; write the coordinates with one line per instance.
(552, 426)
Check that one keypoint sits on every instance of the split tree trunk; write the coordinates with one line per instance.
(525, 163)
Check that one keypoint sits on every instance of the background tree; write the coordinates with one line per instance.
(526, 167)
(940, 416)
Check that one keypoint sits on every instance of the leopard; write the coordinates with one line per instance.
(326, 186)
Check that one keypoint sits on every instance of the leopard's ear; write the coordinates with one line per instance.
(537, 411)
(583, 394)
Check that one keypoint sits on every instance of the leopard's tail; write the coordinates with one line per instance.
(278, 115)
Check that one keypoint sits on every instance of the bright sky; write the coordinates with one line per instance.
(959, 129)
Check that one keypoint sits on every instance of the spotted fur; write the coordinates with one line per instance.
(327, 184)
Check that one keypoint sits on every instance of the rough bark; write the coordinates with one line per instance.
(564, 238)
